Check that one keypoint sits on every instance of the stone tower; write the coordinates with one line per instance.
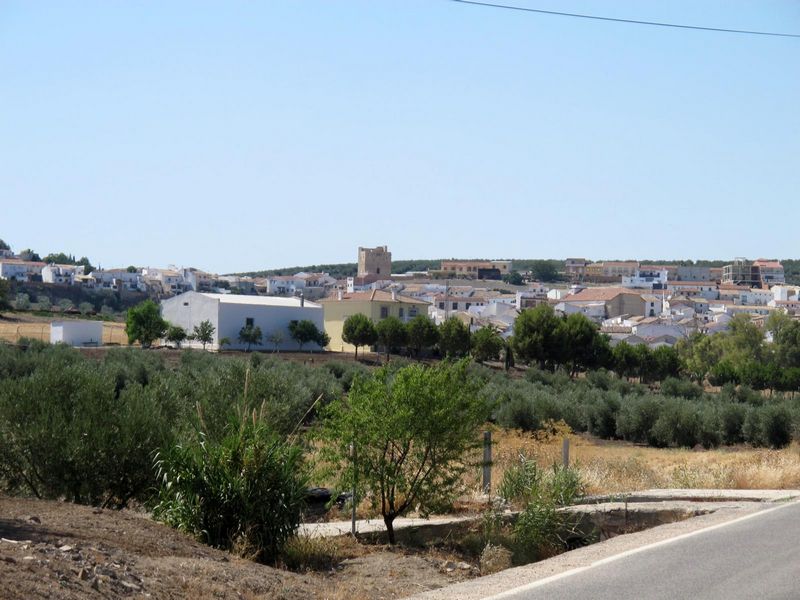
(374, 261)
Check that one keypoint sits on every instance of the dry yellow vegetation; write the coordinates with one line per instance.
(609, 467)
(13, 331)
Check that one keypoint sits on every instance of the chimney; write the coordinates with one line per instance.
(394, 295)
(339, 295)
(302, 300)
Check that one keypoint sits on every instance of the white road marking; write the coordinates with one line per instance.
(603, 561)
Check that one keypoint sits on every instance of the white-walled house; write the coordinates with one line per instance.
(228, 313)
(20, 270)
(77, 333)
(61, 274)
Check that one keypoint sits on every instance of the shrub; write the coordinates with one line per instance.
(636, 418)
(678, 424)
(731, 422)
(65, 432)
(244, 493)
(521, 481)
(672, 386)
(776, 426)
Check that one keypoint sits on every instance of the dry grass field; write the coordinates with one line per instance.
(39, 329)
(609, 467)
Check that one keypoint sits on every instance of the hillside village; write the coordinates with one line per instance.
(651, 304)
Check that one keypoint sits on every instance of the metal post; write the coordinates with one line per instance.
(353, 499)
(565, 452)
(487, 462)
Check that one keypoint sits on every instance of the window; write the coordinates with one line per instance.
(384, 312)
(186, 304)
(378, 270)
(412, 312)
(467, 305)
(248, 322)
(401, 312)
(441, 305)
(455, 305)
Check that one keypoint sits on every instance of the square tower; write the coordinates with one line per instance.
(374, 261)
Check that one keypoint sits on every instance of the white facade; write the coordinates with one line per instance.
(61, 274)
(229, 313)
(77, 333)
(21, 270)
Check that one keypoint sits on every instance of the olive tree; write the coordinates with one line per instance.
(412, 430)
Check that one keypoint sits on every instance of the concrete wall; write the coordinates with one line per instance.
(190, 309)
(77, 333)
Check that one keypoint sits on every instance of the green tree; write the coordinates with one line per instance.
(580, 344)
(29, 254)
(86, 308)
(537, 335)
(131, 269)
(4, 246)
(787, 345)
(176, 335)
(23, 302)
(513, 278)
(454, 338)
(59, 258)
(5, 290)
(487, 344)
(412, 432)
(625, 360)
(204, 333)
(276, 339)
(143, 323)
(306, 331)
(86, 263)
(422, 333)
(666, 362)
(250, 335)
(544, 270)
(358, 330)
(391, 333)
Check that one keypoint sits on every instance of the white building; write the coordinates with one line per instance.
(77, 333)
(20, 270)
(229, 313)
(648, 280)
(61, 274)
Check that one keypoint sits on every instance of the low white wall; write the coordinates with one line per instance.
(77, 333)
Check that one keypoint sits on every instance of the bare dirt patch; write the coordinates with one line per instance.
(60, 550)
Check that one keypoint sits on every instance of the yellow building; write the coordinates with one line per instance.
(375, 304)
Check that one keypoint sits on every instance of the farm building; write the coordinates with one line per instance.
(229, 313)
(77, 333)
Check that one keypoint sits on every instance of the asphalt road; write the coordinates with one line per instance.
(757, 558)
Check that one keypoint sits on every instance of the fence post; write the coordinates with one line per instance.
(487, 462)
(565, 452)
(353, 500)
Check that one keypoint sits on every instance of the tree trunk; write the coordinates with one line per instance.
(388, 520)
(356, 353)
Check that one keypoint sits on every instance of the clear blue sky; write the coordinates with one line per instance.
(243, 135)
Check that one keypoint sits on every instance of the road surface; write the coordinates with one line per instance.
(755, 558)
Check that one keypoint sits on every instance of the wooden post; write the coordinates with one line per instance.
(565, 452)
(487, 462)
(353, 499)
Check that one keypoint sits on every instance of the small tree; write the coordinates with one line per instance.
(23, 302)
(250, 335)
(86, 308)
(391, 333)
(204, 333)
(412, 432)
(176, 335)
(5, 288)
(454, 338)
(422, 333)
(486, 344)
(65, 304)
(276, 339)
(536, 335)
(43, 302)
(143, 323)
(358, 330)
(306, 331)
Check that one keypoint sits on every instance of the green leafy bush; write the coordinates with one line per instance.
(243, 493)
